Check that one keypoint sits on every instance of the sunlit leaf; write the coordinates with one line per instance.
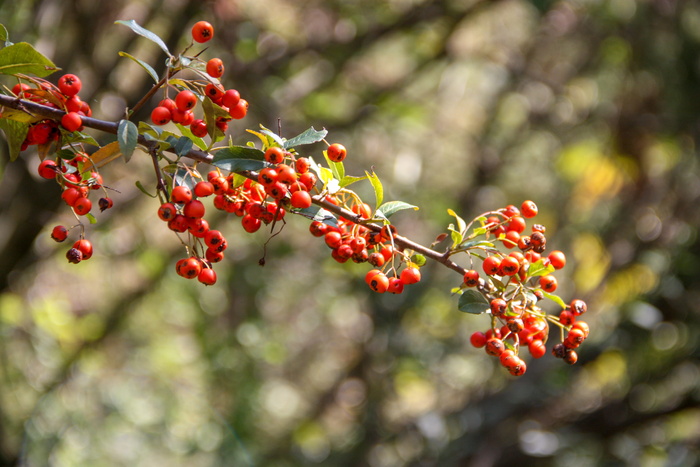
(555, 298)
(392, 207)
(106, 154)
(538, 268)
(349, 180)
(24, 58)
(310, 136)
(378, 188)
(316, 213)
(185, 130)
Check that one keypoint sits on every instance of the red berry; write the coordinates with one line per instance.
(495, 346)
(410, 275)
(161, 115)
(498, 307)
(85, 247)
(537, 348)
(199, 128)
(181, 195)
(491, 265)
(167, 211)
(301, 199)
(516, 224)
(74, 256)
(213, 239)
(557, 259)
(214, 92)
(239, 110)
(548, 283)
(190, 268)
(82, 206)
(274, 155)
(478, 339)
(379, 282)
(395, 285)
(59, 233)
(230, 98)
(509, 266)
(578, 307)
(47, 169)
(202, 32)
(250, 224)
(207, 276)
(471, 278)
(336, 152)
(194, 209)
(71, 121)
(185, 100)
(203, 189)
(528, 209)
(215, 68)
(69, 85)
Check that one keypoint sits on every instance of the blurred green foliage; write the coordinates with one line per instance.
(588, 108)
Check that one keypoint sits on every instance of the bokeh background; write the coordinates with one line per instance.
(590, 108)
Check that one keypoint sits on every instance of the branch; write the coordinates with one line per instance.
(32, 108)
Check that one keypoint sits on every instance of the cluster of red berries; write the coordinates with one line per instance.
(180, 110)
(77, 183)
(517, 320)
(63, 96)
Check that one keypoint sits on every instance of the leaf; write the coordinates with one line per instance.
(23, 58)
(211, 112)
(461, 225)
(274, 136)
(237, 158)
(183, 146)
(310, 136)
(473, 302)
(391, 207)
(15, 132)
(186, 178)
(418, 259)
(148, 129)
(4, 35)
(77, 137)
(555, 298)
(318, 214)
(378, 188)
(106, 154)
(19, 116)
(539, 269)
(143, 190)
(91, 218)
(349, 180)
(337, 168)
(152, 73)
(185, 130)
(127, 135)
(47, 96)
(141, 31)
(483, 244)
(456, 236)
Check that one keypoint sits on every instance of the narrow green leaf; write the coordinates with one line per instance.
(473, 302)
(236, 165)
(391, 207)
(127, 135)
(148, 129)
(15, 132)
(91, 218)
(141, 31)
(151, 72)
(349, 180)
(4, 35)
(310, 136)
(24, 58)
(461, 225)
(555, 298)
(477, 244)
(77, 137)
(143, 190)
(378, 188)
(337, 168)
(456, 235)
(211, 112)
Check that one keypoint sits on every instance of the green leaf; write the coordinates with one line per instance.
(127, 135)
(211, 112)
(77, 137)
(316, 213)
(148, 129)
(456, 235)
(391, 207)
(539, 269)
(271, 136)
(349, 180)
(418, 259)
(152, 73)
(15, 132)
(378, 188)
(461, 225)
(185, 130)
(310, 136)
(4, 35)
(237, 158)
(186, 178)
(337, 168)
(24, 58)
(141, 31)
(555, 298)
(20, 116)
(143, 190)
(477, 244)
(473, 302)
(183, 146)
(91, 218)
